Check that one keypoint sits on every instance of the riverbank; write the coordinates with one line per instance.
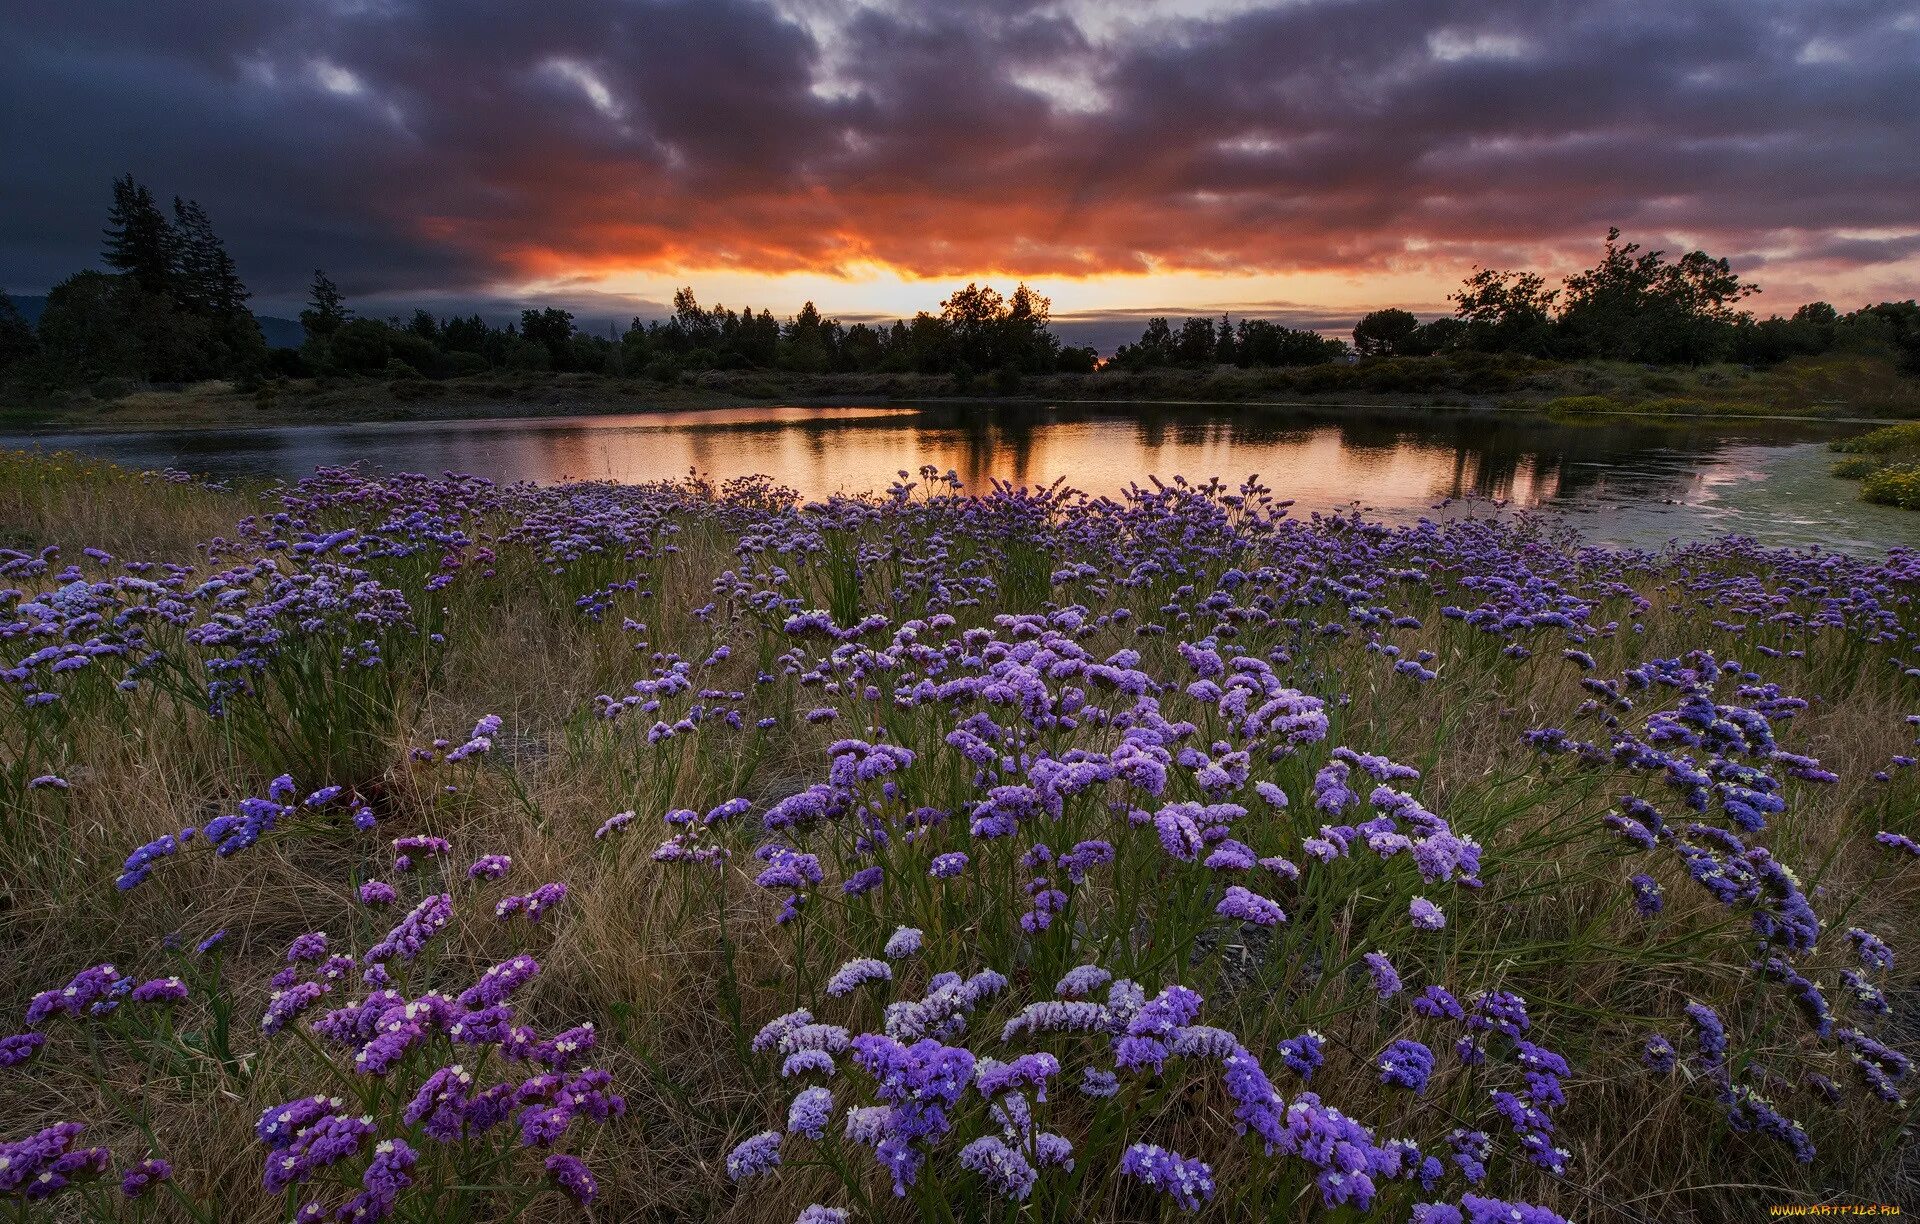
(1833, 387)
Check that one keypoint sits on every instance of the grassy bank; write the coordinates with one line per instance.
(1886, 462)
(1833, 385)
(1836, 385)
(1412, 850)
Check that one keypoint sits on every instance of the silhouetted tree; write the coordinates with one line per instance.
(326, 309)
(1890, 325)
(207, 281)
(361, 346)
(1193, 346)
(1027, 341)
(971, 316)
(1635, 305)
(139, 242)
(1153, 349)
(1506, 311)
(207, 285)
(552, 329)
(1385, 333)
(1224, 348)
(1264, 343)
(1437, 336)
(1082, 360)
(806, 342)
(425, 326)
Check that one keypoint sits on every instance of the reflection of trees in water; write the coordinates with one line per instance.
(978, 445)
(1443, 453)
(1490, 456)
(217, 453)
(1487, 455)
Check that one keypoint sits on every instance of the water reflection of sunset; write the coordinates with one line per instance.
(1621, 481)
(861, 450)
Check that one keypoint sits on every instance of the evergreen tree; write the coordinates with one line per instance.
(1224, 352)
(207, 281)
(326, 309)
(424, 326)
(139, 242)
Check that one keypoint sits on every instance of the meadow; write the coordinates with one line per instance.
(408, 847)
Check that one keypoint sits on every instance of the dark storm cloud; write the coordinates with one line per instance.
(440, 148)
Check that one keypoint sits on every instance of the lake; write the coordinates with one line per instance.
(1619, 480)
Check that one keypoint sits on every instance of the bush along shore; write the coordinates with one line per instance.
(1886, 462)
(395, 847)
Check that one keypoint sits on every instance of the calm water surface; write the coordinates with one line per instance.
(1618, 480)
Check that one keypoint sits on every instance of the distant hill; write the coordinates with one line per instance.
(280, 333)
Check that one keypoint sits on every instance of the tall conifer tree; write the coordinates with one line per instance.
(139, 242)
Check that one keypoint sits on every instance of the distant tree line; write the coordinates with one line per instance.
(1250, 342)
(978, 331)
(172, 308)
(1638, 306)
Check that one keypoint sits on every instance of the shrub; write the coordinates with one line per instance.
(1887, 440)
(1898, 485)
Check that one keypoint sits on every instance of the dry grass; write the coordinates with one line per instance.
(74, 502)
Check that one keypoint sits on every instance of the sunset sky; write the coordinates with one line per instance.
(1302, 160)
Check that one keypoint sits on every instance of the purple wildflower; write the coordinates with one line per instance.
(1481, 1210)
(1658, 1054)
(947, 866)
(1188, 1182)
(1406, 1063)
(571, 1177)
(19, 1048)
(144, 1177)
(1647, 896)
(1006, 1171)
(1245, 906)
(490, 867)
(855, 973)
(1709, 1033)
(753, 1155)
(1304, 1053)
(1030, 1071)
(1425, 915)
(613, 824)
(1386, 980)
(1437, 1003)
(810, 1112)
(159, 991)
